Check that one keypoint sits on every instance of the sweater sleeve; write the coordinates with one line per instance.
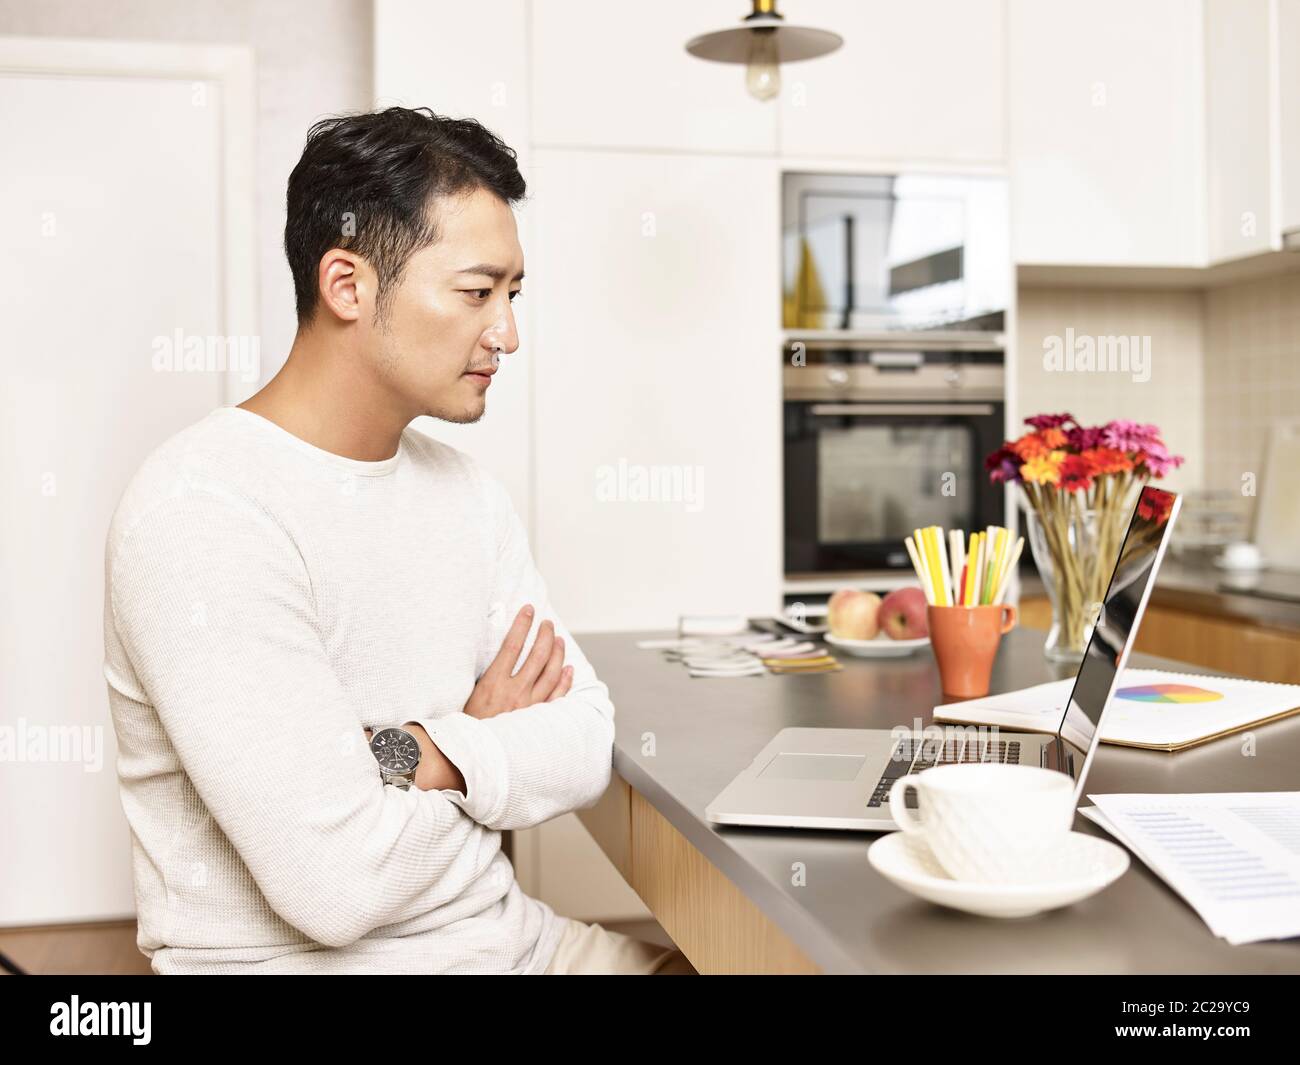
(532, 764)
(214, 607)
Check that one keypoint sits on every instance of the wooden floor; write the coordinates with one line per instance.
(109, 948)
(80, 949)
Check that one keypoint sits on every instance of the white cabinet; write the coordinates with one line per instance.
(617, 75)
(654, 285)
(914, 82)
(1286, 44)
(1106, 137)
(1239, 215)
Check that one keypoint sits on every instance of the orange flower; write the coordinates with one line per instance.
(1030, 446)
(1043, 469)
(1054, 438)
(1108, 460)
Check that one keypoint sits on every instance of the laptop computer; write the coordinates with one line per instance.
(840, 778)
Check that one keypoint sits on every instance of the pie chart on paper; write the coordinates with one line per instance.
(1168, 693)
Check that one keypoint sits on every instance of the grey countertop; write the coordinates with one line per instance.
(848, 919)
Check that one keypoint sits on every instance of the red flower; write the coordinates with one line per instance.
(1077, 472)
(1154, 505)
(1049, 421)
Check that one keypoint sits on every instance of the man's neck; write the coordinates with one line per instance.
(323, 395)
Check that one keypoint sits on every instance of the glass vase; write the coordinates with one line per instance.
(1074, 551)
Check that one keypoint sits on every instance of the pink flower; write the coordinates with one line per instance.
(1157, 459)
(1129, 436)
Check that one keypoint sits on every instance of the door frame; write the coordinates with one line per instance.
(230, 69)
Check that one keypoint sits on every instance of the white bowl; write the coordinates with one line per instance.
(881, 647)
(1085, 866)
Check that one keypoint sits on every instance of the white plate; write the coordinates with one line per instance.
(1086, 865)
(881, 647)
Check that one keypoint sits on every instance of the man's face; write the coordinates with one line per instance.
(451, 310)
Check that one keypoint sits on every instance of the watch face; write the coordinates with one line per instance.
(395, 749)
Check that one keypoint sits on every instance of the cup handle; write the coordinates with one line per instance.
(903, 817)
(1009, 616)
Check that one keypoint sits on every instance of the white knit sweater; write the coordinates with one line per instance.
(267, 600)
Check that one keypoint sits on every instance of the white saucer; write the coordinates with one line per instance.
(1086, 865)
(881, 647)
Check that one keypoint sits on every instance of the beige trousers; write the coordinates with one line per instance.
(590, 950)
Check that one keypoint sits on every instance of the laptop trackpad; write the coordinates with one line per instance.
(790, 766)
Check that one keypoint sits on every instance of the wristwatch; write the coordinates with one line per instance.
(398, 753)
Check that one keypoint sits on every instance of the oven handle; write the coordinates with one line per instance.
(902, 408)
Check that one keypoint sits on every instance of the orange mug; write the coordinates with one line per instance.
(965, 641)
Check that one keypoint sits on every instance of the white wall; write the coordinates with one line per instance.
(312, 58)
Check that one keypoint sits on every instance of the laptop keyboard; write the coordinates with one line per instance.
(914, 754)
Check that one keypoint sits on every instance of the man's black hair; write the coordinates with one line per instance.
(368, 182)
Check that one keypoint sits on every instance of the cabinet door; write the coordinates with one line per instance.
(1240, 219)
(914, 82)
(1287, 55)
(1106, 143)
(617, 75)
(655, 291)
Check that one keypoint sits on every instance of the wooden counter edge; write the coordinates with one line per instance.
(710, 919)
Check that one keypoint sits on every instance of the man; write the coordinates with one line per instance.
(289, 576)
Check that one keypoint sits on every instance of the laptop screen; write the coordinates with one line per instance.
(1116, 625)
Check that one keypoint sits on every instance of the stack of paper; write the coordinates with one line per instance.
(747, 654)
(1234, 857)
(1151, 708)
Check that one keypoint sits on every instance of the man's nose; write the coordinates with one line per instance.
(503, 334)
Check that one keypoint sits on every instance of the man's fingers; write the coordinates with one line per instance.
(541, 651)
(550, 676)
(566, 682)
(513, 644)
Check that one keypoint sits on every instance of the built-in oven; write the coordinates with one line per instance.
(884, 436)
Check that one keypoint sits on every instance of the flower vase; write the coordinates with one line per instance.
(1074, 548)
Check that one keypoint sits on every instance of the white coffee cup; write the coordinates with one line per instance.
(987, 822)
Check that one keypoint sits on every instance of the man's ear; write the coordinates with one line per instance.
(346, 284)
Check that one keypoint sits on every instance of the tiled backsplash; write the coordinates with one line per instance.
(1225, 362)
(1168, 391)
(1252, 374)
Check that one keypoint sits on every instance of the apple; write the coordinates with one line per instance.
(853, 614)
(902, 614)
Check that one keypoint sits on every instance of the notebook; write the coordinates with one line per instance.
(1152, 708)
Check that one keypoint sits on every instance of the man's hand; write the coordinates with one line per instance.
(541, 679)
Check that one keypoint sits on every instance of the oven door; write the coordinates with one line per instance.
(860, 476)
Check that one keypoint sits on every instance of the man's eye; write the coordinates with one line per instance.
(484, 293)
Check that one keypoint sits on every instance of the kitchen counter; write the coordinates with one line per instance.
(680, 740)
(1266, 597)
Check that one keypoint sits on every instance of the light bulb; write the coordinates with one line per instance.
(763, 74)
